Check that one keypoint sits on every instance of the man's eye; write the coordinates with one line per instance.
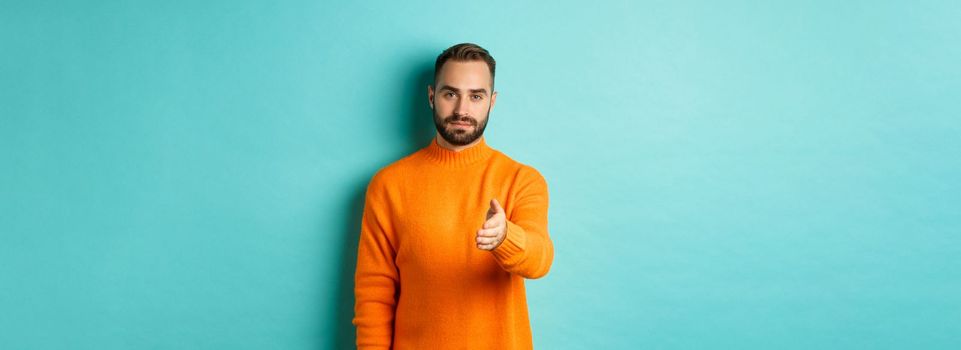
(449, 94)
(476, 97)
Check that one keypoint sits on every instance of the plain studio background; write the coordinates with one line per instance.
(746, 175)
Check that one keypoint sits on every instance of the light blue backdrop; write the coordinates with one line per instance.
(745, 175)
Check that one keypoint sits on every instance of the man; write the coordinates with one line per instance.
(450, 232)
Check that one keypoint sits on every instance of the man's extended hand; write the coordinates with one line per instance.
(495, 228)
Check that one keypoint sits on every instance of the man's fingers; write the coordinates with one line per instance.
(492, 223)
(490, 232)
(486, 240)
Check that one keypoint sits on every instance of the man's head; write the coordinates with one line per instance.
(463, 93)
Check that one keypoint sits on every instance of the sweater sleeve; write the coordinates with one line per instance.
(527, 250)
(376, 278)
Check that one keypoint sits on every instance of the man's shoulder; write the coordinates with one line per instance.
(521, 171)
(395, 170)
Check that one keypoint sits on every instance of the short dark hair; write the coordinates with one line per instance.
(464, 52)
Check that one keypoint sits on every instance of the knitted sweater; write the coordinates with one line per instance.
(421, 282)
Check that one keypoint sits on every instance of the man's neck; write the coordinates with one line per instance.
(455, 148)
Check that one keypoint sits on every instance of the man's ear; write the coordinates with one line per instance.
(430, 95)
(493, 99)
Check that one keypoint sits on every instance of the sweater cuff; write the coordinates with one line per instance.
(513, 244)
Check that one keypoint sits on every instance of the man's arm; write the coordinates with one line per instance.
(376, 278)
(527, 249)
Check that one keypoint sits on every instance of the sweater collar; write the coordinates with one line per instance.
(474, 154)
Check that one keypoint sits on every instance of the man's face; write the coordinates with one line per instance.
(462, 101)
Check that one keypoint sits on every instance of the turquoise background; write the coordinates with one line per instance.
(745, 175)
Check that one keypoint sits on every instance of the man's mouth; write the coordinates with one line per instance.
(461, 124)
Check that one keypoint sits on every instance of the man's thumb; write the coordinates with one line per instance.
(496, 206)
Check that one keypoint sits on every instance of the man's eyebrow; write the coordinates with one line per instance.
(454, 89)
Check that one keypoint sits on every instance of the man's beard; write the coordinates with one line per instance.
(459, 137)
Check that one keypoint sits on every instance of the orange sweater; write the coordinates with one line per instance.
(421, 282)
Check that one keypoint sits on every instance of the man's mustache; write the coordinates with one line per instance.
(456, 119)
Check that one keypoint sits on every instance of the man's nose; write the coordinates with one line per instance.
(460, 108)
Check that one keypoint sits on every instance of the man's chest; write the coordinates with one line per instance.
(437, 218)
